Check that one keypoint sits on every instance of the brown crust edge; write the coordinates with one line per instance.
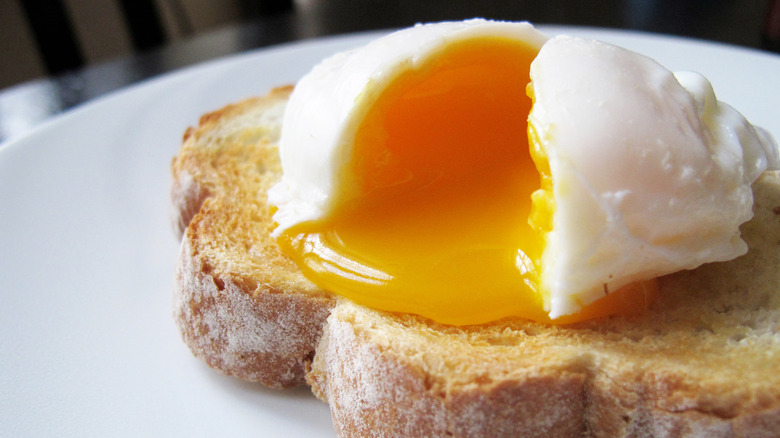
(244, 329)
(238, 326)
(376, 393)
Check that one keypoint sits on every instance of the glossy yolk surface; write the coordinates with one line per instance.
(442, 227)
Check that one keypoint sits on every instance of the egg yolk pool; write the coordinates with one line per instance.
(453, 204)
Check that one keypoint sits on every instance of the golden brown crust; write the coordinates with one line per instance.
(243, 328)
(240, 305)
(381, 381)
(702, 362)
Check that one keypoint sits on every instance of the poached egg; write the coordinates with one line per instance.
(476, 170)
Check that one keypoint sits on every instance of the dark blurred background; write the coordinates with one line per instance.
(59, 53)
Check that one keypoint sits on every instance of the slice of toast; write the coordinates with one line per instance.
(703, 361)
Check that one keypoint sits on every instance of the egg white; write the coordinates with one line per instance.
(650, 176)
(328, 104)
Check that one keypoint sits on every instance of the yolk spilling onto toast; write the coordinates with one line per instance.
(454, 204)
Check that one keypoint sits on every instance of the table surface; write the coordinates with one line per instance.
(25, 106)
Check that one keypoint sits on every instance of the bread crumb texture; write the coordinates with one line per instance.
(703, 362)
(240, 304)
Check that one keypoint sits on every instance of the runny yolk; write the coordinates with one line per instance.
(441, 228)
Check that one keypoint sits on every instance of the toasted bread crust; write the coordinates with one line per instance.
(245, 329)
(702, 362)
(374, 390)
(377, 387)
(252, 317)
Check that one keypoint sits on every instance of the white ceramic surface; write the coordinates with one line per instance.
(87, 343)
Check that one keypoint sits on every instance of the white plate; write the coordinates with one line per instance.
(87, 343)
